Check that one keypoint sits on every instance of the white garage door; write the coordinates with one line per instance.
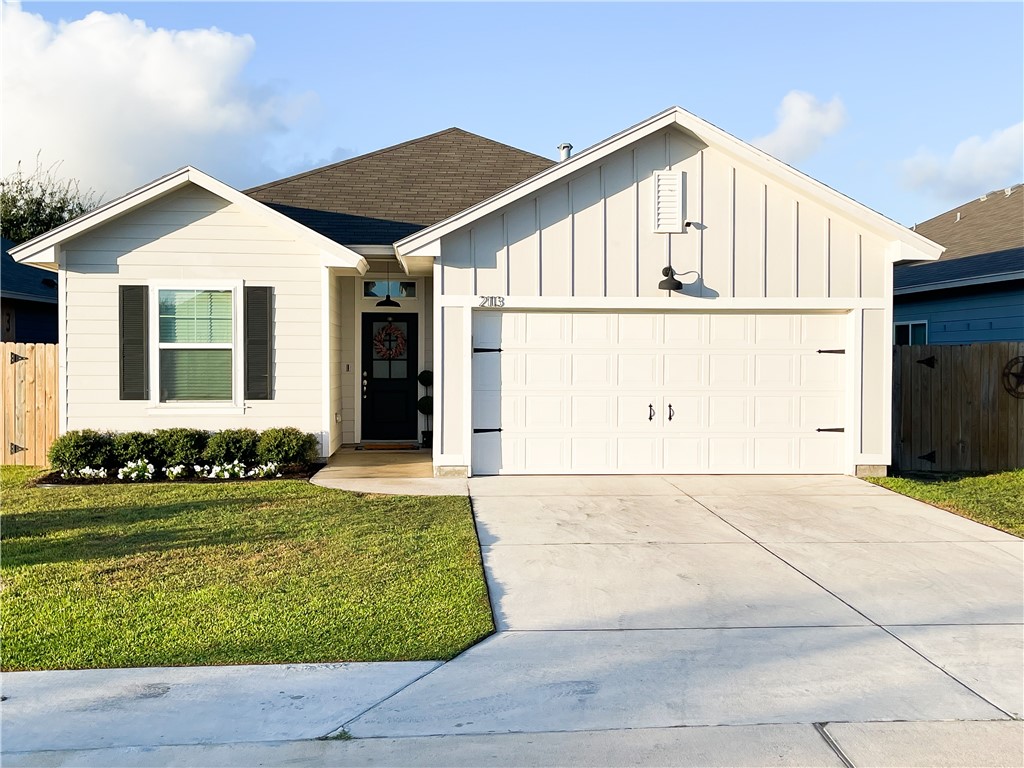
(636, 393)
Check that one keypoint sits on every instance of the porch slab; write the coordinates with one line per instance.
(393, 473)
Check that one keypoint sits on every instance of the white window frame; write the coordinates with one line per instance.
(379, 277)
(237, 403)
(910, 332)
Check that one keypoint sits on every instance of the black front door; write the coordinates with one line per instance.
(389, 376)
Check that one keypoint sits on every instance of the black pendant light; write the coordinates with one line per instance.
(669, 283)
(387, 301)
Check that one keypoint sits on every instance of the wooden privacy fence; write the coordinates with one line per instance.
(955, 409)
(29, 402)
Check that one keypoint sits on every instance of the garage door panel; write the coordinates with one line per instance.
(593, 412)
(592, 330)
(729, 370)
(827, 331)
(776, 329)
(774, 454)
(592, 370)
(727, 455)
(546, 369)
(686, 411)
(728, 412)
(638, 454)
(684, 330)
(544, 454)
(684, 370)
(683, 455)
(820, 454)
(638, 329)
(592, 454)
(730, 331)
(775, 370)
(639, 370)
(574, 392)
(774, 412)
(821, 370)
(544, 412)
(546, 330)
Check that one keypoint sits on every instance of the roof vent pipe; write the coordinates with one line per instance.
(565, 150)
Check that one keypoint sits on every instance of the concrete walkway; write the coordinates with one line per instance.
(642, 621)
(394, 473)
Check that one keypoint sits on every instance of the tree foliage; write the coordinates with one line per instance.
(34, 203)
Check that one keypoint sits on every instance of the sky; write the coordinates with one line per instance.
(910, 109)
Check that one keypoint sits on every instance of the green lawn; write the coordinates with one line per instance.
(996, 500)
(233, 573)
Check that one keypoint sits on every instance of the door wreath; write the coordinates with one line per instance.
(381, 348)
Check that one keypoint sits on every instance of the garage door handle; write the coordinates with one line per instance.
(650, 416)
(671, 413)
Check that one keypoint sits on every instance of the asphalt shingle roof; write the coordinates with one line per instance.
(381, 197)
(983, 237)
(23, 281)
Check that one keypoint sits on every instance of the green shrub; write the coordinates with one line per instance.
(134, 446)
(82, 448)
(287, 446)
(180, 445)
(230, 445)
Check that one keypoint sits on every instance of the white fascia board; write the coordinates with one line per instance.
(42, 249)
(962, 283)
(918, 248)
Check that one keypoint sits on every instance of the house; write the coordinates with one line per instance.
(670, 300)
(975, 291)
(28, 301)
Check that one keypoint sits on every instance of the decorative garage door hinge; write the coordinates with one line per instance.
(15, 448)
(483, 349)
(831, 351)
(830, 429)
(487, 429)
(16, 358)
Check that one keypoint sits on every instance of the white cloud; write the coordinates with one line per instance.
(976, 166)
(803, 124)
(118, 103)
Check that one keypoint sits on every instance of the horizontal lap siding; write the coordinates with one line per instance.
(591, 235)
(984, 313)
(191, 235)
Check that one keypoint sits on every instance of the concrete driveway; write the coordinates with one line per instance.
(644, 602)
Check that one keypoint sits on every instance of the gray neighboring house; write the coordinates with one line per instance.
(975, 291)
(28, 301)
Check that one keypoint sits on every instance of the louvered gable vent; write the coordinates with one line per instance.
(668, 201)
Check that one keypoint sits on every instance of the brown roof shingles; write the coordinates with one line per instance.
(990, 224)
(379, 198)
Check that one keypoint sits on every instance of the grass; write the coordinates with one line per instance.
(996, 500)
(234, 573)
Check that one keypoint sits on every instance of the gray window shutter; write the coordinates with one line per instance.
(259, 342)
(133, 341)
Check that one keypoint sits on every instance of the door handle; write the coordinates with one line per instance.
(671, 413)
(650, 416)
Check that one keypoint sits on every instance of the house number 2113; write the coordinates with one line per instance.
(492, 301)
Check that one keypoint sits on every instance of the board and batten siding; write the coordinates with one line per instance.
(192, 235)
(592, 236)
(588, 241)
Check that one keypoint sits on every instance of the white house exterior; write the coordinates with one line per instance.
(539, 310)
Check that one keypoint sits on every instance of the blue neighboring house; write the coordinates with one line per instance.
(28, 301)
(975, 291)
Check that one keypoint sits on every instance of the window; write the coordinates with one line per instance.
(910, 333)
(196, 345)
(398, 289)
